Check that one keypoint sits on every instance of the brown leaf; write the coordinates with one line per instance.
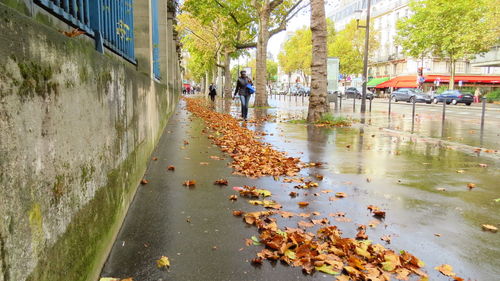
(155, 158)
(171, 168)
(221, 182)
(379, 214)
(471, 186)
(386, 239)
(340, 195)
(233, 197)
(189, 183)
(144, 181)
(238, 213)
(303, 204)
(489, 227)
(445, 269)
(293, 194)
(361, 235)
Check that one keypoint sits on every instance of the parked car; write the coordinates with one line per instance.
(454, 97)
(410, 94)
(355, 93)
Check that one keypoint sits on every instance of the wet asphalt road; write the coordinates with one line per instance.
(194, 227)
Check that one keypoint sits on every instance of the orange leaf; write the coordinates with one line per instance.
(303, 204)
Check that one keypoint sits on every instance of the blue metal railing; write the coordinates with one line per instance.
(75, 12)
(155, 39)
(110, 22)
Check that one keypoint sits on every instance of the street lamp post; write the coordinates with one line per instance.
(365, 60)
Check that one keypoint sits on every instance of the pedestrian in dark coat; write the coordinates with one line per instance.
(243, 92)
(212, 92)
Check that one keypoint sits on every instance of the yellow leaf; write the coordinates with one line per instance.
(445, 269)
(163, 262)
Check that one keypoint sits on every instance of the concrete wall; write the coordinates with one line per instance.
(77, 129)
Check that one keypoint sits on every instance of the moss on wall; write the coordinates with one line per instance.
(73, 257)
(19, 6)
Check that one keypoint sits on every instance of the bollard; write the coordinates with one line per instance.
(413, 115)
(390, 103)
(443, 117)
(289, 98)
(371, 104)
(483, 112)
(340, 102)
(302, 99)
(354, 104)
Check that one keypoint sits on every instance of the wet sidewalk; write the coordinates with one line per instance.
(195, 228)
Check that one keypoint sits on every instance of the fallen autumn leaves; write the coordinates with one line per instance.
(250, 157)
(326, 251)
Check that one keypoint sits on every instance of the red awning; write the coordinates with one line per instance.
(464, 79)
(409, 81)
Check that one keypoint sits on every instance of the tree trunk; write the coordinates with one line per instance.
(227, 77)
(219, 85)
(207, 82)
(318, 102)
(452, 76)
(261, 59)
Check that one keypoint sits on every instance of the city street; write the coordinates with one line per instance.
(420, 184)
(462, 126)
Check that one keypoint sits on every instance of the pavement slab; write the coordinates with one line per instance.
(195, 228)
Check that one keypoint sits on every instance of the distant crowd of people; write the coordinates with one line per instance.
(188, 90)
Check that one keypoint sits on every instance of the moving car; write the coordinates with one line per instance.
(454, 97)
(355, 93)
(410, 94)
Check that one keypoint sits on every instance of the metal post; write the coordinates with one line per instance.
(302, 99)
(483, 112)
(365, 60)
(413, 116)
(371, 105)
(340, 101)
(354, 104)
(443, 118)
(390, 103)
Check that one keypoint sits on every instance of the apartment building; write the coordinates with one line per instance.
(389, 60)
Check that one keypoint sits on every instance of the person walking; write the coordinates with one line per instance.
(212, 92)
(244, 92)
(477, 95)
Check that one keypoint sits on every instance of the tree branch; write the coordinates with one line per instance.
(230, 14)
(246, 45)
(288, 17)
(274, 4)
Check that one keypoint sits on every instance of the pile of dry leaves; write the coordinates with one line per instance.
(328, 252)
(251, 157)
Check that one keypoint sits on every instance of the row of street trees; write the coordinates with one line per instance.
(235, 25)
(214, 31)
(458, 29)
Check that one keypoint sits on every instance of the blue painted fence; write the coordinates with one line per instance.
(110, 22)
(155, 39)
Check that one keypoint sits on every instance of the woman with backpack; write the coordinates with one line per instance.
(244, 87)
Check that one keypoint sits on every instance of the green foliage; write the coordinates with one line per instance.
(272, 70)
(493, 96)
(297, 51)
(454, 29)
(337, 121)
(348, 45)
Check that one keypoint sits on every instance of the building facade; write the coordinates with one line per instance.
(389, 60)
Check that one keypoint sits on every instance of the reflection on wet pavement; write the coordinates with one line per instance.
(398, 172)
